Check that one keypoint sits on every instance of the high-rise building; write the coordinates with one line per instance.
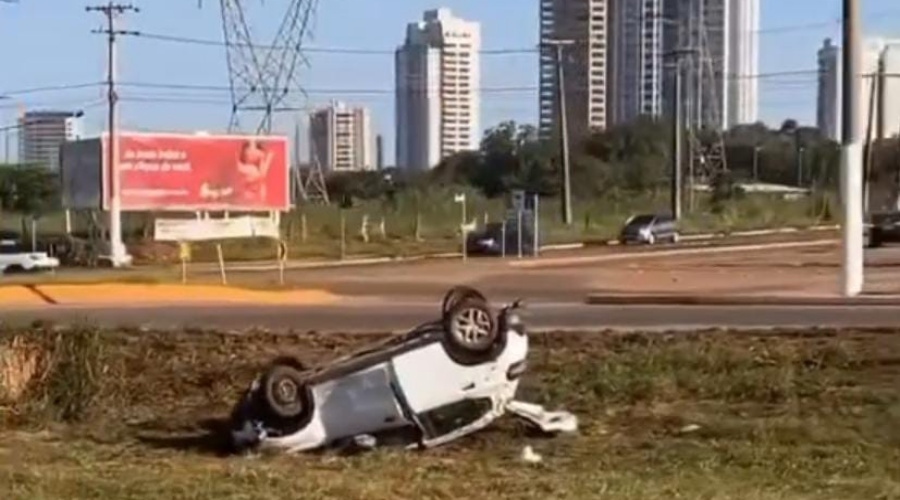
(341, 138)
(635, 59)
(700, 26)
(379, 152)
(743, 65)
(721, 78)
(828, 103)
(438, 77)
(41, 133)
(585, 63)
(886, 114)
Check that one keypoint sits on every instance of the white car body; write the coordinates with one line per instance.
(25, 261)
(418, 385)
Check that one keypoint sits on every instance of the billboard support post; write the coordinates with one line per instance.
(221, 263)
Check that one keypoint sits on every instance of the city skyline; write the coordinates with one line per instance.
(790, 36)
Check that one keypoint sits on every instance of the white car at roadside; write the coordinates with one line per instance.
(13, 259)
(435, 384)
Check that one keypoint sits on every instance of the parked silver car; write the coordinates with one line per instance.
(649, 229)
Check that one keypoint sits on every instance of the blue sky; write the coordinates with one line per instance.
(48, 42)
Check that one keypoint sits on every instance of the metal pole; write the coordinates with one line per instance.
(851, 154)
(519, 232)
(343, 235)
(462, 231)
(756, 163)
(868, 147)
(800, 155)
(563, 128)
(221, 256)
(536, 251)
(880, 125)
(503, 239)
(677, 146)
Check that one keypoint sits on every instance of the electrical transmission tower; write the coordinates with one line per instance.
(705, 93)
(262, 78)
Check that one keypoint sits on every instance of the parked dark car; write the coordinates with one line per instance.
(885, 228)
(489, 241)
(649, 229)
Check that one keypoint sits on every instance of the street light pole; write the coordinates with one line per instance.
(562, 116)
(851, 154)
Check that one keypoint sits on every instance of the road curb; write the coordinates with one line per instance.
(740, 300)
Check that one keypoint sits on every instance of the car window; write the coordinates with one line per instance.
(448, 418)
(10, 250)
(641, 220)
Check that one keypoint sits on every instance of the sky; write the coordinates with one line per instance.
(48, 43)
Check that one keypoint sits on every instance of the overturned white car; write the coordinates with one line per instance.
(437, 383)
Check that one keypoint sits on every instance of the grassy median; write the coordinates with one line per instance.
(786, 415)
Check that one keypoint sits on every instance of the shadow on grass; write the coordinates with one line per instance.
(208, 437)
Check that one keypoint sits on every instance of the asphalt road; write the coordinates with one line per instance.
(398, 317)
(394, 297)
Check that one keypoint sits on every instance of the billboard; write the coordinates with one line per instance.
(182, 230)
(170, 172)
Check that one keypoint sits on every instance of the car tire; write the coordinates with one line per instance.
(285, 393)
(471, 332)
(14, 269)
(458, 294)
(874, 240)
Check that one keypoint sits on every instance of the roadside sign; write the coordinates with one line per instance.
(184, 251)
(460, 198)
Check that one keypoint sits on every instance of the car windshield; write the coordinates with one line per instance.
(641, 220)
(9, 248)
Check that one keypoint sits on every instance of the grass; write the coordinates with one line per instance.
(717, 415)
(435, 219)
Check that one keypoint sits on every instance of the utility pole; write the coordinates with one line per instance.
(801, 152)
(563, 118)
(677, 145)
(118, 253)
(851, 154)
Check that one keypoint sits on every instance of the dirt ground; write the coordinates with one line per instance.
(786, 415)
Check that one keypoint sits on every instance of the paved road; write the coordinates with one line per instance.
(395, 297)
(541, 316)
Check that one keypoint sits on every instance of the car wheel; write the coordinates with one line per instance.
(285, 392)
(14, 269)
(457, 295)
(874, 240)
(470, 327)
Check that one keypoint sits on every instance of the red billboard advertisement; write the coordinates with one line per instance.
(168, 172)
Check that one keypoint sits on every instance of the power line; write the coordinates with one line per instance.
(346, 91)
(51, 88)
(311, 50)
